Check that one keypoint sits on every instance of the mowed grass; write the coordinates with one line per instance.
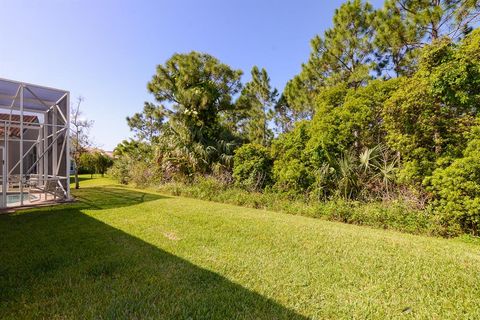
(121, 253)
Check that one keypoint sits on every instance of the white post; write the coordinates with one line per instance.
(39, 152)
(4, 166)
(67, 151)
(45, 148)
(55, 145)
(21, 145)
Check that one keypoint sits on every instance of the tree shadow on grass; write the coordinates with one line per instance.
(109, 197)
(61, 263)
(81, 177)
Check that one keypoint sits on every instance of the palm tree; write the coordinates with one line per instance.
(181, 151)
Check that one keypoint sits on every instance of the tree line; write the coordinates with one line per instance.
(385, 109)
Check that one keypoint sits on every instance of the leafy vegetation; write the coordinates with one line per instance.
(383, 112)
(94, 161)
(457, 190)
(252, 167)
(119, 252)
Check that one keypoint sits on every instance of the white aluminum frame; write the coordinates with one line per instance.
(52, 143)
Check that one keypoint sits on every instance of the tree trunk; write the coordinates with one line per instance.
(77, 183)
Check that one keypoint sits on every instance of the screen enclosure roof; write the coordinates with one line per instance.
(35, 98)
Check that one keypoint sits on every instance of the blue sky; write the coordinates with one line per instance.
(107, 50)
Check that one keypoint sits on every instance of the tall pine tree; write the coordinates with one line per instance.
(346, 50)
(438, 18)
(344, 54)
(258, 99)
(147, 125)
(396, 39)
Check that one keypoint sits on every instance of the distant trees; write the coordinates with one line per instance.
(102, 162)
(95, 162)
(87, 164)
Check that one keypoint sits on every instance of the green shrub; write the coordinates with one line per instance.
(127, 171)
(120, 170)
(396, 215)
(292, 170)
(456, 191)
(86, 163)
(142, 174)
(252, 167)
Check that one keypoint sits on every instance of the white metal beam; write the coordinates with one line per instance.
(21, 144)
(45, 151)
(13, 98)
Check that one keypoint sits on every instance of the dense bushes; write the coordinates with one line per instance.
(94, 162)
(139, 173)
(456, 191)
(292, 168)
(120, 170)
(252, 167)
(428, 116)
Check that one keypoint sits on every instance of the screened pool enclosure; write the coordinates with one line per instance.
(34, 144)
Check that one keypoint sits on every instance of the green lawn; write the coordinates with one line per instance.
(120, 253)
